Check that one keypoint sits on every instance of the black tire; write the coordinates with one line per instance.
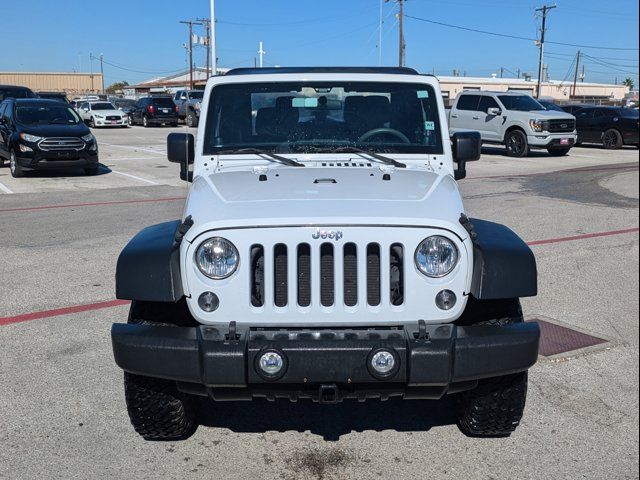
(495, 407)
(517, 144)
(157, 409)
(92, 123)
(558, 152)
(191, 120)
(91, 171)
(131, 120)
(14, 168)
(145, 122)
(611, 139)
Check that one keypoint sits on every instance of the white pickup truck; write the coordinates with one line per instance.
(515, 120)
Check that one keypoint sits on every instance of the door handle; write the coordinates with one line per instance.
(476, 118)
(454, 116)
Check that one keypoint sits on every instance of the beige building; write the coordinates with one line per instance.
(72, 83)
(560, 92)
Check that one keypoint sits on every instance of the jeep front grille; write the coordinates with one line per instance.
(271, 285)
(61, 144)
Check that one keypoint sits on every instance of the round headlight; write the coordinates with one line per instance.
(217, 258)
(436, 256)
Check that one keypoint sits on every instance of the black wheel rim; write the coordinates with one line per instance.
(610, 139)
(515, 144)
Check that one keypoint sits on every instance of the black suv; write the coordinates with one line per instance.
(38, 134)
(12, 91)
(150, 111)
(613, 127)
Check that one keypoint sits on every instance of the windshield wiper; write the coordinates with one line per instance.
(377, 156)
(272, 156)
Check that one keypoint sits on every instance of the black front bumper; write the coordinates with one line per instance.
(433, 359)
(60, 159)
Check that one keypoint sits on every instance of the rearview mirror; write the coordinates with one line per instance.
(466, 147)
(180, 149)
(494, 111)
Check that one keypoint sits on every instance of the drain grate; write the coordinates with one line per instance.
(556, 339)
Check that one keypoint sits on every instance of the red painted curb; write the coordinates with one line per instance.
(582, 237)
(91, 204)
(26, 317)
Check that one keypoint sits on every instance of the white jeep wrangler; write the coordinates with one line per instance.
(324, 254)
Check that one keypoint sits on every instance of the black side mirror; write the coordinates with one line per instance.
(467, 147)
(181, 149)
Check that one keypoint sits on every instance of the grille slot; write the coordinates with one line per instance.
(396, 274)
(256, 256)
(373, 274)
(280, 291)
(113, 117)
(53, 144)
(350, 274)
(327, 280)
(304, 275)
(561, 126)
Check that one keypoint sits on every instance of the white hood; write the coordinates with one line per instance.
(323, 196)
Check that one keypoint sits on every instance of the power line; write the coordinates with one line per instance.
(516, 37)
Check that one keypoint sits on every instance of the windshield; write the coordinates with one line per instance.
(102, 106)
(318, 117)
(520, 103)
(551, 106)
(196, 95)
(46, 115)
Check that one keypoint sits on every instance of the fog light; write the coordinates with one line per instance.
(24, 148)
(271, 364)
(446, 299)
(383, 362)
(208, 301)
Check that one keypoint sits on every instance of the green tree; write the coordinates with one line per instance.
(628, 82)
(114, 87)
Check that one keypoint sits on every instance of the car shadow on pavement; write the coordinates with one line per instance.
(328, 421)
(503, 152)
(66, 173)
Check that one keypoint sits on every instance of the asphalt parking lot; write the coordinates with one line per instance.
(61, 396)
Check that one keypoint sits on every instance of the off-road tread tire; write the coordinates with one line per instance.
(495, 407)
(157, 409)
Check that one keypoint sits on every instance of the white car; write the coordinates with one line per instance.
(324, 253)
(102, 114)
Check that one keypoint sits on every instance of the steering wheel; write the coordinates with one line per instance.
(380, 131)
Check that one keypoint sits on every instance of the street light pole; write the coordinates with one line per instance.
(214, 46)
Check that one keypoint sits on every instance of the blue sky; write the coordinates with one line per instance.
(144, 39)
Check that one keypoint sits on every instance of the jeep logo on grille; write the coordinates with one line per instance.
(331, 234)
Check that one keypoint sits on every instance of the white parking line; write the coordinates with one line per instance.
(5, 189)
(160, 153)
(136, 178)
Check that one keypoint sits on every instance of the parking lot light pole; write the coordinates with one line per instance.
(212, 40)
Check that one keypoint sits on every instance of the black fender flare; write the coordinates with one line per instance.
(148, 267)
(503, 264)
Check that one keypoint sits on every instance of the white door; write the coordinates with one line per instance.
(462, 116)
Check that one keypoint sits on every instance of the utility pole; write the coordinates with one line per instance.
(212, 40)
(501, 72)
(583, 74)
(207, 27)
(261, 53)
(91, 62)
(190, 45)
(102, 71)
(518, 72)
(575, 76)
(545, 9)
